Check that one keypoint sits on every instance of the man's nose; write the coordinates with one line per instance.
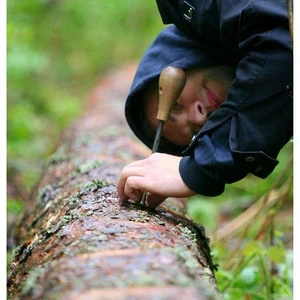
(198, 113)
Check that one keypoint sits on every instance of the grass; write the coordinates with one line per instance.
(251, 227)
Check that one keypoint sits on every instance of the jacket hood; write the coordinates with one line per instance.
(170, 48)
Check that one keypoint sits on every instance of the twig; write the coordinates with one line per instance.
(266, 201)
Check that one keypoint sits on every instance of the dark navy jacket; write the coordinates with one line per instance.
(249, 129)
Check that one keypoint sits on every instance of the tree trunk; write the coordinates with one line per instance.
(77, 242)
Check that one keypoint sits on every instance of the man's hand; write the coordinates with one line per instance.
(158, 174)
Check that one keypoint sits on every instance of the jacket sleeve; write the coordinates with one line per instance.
(247, 132)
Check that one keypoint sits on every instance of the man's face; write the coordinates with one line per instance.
(203, 93)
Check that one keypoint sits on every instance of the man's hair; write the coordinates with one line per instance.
(164, 145)
(147, 129)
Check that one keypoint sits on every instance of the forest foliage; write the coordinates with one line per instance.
(56, 53)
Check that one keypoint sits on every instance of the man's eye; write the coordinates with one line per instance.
(176, 105)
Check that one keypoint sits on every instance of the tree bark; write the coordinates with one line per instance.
(77, 242)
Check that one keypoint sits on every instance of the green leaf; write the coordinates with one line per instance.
(251, 247)
(276, 254)
(223, 274)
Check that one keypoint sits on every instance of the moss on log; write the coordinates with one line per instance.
(77, 242)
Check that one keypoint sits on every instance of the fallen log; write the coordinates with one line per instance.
(77, 242)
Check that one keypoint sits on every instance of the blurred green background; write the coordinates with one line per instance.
(56, 53)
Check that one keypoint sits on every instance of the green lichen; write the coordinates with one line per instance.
(85, 168)
(189, 260)
(73, 199)
(31, 284)
(62, 222)
(187, 232)
(145, 279)
(93, 185)
(82, 140)
(31, 281)
(16, 252)
(65, 219)
(48, 192)
(59, 156)
(44, 193)
(140, 216)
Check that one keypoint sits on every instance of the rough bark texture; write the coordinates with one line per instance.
(77, 242)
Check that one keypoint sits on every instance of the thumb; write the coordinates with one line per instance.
(134, 187)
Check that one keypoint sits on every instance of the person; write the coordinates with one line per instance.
(253, 118)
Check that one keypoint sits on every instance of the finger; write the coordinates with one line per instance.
(127, 171)
(133, 188)
(120, 189)
(136, 163)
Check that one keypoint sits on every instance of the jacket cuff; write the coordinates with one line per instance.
(197, 180)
